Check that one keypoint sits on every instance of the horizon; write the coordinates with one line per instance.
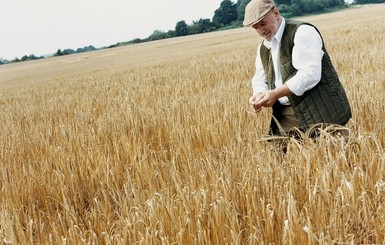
(38, 29)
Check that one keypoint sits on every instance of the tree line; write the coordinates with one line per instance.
(229, 15)
(59, 52)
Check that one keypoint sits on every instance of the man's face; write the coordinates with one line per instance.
(269, 25)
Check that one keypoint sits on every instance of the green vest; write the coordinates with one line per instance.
(326, 103)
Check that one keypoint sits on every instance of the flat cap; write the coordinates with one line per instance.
(256, 10)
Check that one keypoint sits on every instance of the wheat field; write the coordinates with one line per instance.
(155, 143)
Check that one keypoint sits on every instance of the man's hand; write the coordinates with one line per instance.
(268, 98)
(253, 101)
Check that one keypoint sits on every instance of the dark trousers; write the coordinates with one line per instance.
(285, 125)
(285, 120)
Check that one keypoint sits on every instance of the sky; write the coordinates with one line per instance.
(41, 27)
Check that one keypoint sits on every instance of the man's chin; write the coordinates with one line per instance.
(268, 38)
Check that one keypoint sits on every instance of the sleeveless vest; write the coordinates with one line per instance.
(326, 103)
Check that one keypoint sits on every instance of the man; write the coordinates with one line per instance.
(294, 74)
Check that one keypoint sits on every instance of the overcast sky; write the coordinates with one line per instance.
(42, 27)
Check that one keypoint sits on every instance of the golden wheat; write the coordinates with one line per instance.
(155, 143)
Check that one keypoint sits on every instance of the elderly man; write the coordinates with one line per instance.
(294, 74)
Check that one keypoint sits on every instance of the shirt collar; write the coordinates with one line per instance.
(277, 36)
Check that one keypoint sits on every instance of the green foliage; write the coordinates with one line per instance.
(300, 7)
(201, 26)
(64, 52)
(285, 10)
(157, 35)
(309, 6)
(279, 2)
(85, 49)
(241, 5)
(68, 51)
(26, 58)
(181, 28)
(137, 40)
(226, 13)
(368, 1)
(60, 52)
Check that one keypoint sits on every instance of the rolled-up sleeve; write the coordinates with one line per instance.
(259, 82)
(306, 59)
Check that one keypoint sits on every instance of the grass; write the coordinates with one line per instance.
(155, 143)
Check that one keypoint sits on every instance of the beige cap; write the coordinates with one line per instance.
(256, 10)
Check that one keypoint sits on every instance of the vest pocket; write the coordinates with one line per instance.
(287, 70)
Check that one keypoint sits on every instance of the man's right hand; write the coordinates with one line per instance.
(253, 100)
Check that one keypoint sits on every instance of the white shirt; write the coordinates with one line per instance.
(306, 59)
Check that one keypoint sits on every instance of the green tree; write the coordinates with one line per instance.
(295, 10)
(157, 35)
(181, 28)
(170, 33)
(279, 2)
(285, 10)
(68, 51)
(241, 6)
(333, 3)
(368, 1)
(15, 60)
(58, 52)
(226, 13)
(201, 26)
(24, 58)
(136, 40)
